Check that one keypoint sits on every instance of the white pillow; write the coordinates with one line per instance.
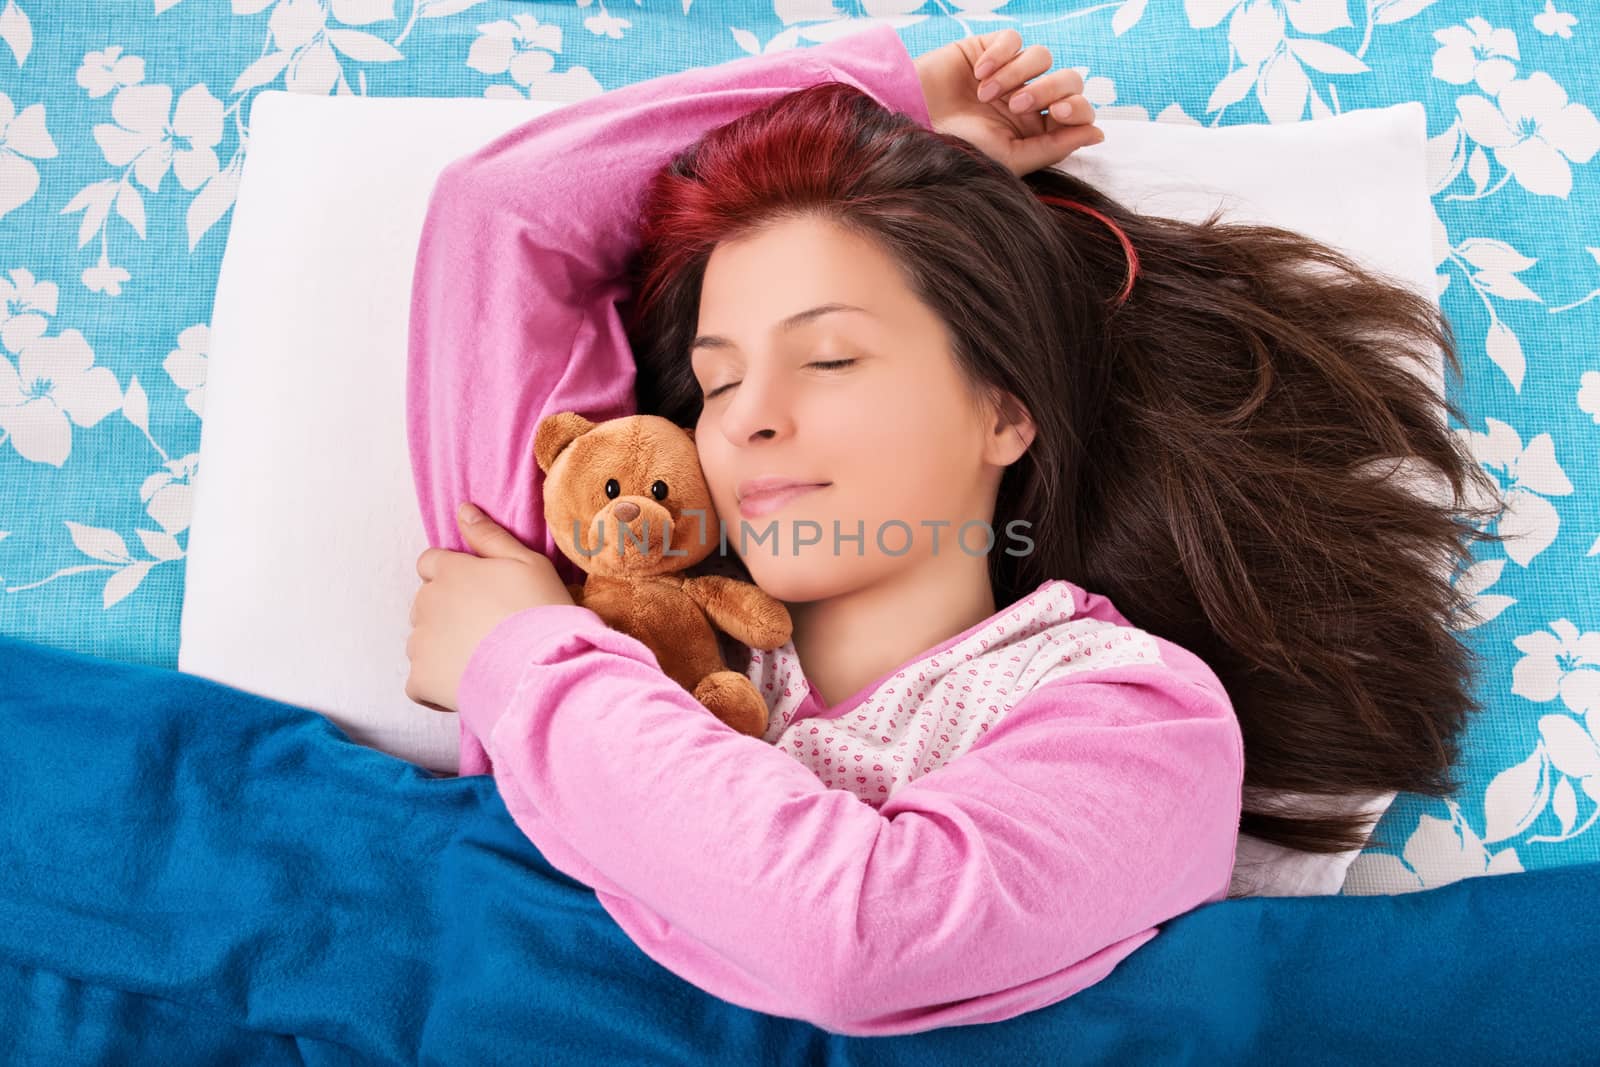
(306, 530)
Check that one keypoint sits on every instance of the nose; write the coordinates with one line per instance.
(757, 412)
(626, 510)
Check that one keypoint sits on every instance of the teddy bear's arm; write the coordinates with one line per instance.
(742, 610)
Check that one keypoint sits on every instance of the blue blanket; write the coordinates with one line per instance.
(195, 874)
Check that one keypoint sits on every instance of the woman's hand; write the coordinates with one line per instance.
(463, 597)
(978, 89)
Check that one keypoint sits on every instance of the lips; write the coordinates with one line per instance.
(769, 482)
(756, 499)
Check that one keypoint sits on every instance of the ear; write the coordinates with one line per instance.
(555, 433)
(1014, 430)
(689, 431)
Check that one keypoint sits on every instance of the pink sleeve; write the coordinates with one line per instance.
(1100, 806)
(520, 268)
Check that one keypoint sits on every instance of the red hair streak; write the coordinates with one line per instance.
(1127, 245)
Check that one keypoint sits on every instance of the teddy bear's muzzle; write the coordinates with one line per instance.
(633, 532)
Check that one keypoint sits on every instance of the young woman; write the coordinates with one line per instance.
(982, 785)
(197, 874)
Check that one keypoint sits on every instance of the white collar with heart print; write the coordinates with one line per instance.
(933, 708)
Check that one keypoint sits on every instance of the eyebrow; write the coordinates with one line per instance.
(799, 318)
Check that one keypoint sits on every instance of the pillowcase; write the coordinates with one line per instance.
(305, 528)
(305, 531)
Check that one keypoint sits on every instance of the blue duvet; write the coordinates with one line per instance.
(193, 874)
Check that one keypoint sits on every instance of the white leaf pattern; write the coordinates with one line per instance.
(101, 544)
(16, 31)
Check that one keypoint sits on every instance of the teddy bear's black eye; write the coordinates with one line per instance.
(613, 490)
(658, 489)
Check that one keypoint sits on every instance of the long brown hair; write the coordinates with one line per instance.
(1216, 453)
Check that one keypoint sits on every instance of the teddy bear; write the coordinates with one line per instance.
(617, 494)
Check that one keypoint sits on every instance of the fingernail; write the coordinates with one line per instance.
(1099, 135)
(983, 70)
(989, 92)
(1021, 102)
(469, 514)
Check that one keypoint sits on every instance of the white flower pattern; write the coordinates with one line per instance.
(25, 308)
(152, 139)
(106, 70)
(1534, 131)
(186, 366)
(54, 384)
(1476, 52)
(23, 139)
(522, 48)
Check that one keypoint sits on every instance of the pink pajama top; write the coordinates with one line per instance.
(986, 829)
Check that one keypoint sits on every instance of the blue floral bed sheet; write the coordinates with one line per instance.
(124, 127)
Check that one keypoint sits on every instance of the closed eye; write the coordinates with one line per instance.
(829, 364)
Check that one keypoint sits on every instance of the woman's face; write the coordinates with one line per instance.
(869, 402)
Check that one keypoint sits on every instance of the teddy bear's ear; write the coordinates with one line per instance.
(555, 433)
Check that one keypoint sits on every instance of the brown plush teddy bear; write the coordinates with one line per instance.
(616, 494)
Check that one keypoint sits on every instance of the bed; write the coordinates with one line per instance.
(108, 292)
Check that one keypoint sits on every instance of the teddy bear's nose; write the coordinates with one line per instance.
(625, 510)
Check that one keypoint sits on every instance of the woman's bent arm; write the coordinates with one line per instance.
(1099, 806)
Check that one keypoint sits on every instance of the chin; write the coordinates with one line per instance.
(801, 579)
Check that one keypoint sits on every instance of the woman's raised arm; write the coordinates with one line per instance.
(521, 260)
(521, 264)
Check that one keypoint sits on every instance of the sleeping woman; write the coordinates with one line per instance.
(993, 769)
(1113, 547)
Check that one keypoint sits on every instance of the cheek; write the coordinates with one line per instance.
(912, 445)
(859, 421)
(716, 466)
(927, 470)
